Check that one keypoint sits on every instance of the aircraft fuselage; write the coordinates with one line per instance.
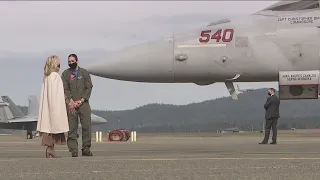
(256, 47)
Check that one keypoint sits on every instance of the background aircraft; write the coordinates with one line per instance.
(283, 37)
(243, 90)
(11, 116)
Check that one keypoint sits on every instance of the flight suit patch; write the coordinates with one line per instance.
(72, 76)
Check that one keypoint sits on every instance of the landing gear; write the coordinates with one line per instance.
(230, 87)
(29, 135)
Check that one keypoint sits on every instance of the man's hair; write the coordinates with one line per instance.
(272, 89)
(73, 55)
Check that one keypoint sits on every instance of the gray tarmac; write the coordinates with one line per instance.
(166, 157)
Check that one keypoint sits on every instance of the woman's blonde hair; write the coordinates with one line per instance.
(51, 65)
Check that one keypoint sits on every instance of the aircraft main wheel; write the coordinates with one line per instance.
(29, 135)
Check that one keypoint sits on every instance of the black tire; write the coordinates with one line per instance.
(29, 135)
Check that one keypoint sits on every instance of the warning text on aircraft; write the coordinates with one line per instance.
(299, 19)
(298, 77)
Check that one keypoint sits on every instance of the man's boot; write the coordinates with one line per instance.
(87, 152)
(74, 154)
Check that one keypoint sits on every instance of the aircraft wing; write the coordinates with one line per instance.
(7, 115)
(23, 120)
(293, 5)
(94, 118)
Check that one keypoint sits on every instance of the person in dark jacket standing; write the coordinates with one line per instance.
(77, 88)
(271, 116)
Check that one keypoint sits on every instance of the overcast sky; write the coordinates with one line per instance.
(30, 31)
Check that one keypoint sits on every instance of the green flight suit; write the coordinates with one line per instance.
(77, 87)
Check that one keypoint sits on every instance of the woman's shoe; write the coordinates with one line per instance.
(51, 152)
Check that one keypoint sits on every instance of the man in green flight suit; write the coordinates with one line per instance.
(77, 88)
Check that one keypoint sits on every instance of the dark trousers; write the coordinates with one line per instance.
(271, 123)
(84, 112)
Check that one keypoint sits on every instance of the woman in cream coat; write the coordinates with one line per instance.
(52, 119)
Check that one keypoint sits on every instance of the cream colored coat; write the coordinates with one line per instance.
(52, 116)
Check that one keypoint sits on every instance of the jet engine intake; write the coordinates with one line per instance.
(119, 135)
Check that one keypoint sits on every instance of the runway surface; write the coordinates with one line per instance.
(235, 157)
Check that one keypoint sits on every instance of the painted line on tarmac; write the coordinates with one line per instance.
(102, 159)
(158, 170)
(9, 160)
(19, 142)
(39, 150)
(187, 153)
(196, 159)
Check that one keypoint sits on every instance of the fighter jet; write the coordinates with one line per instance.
(243, 90)
(11, 116)
(278, 43)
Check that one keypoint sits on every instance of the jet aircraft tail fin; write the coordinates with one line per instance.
(16, 111)
(33, 106)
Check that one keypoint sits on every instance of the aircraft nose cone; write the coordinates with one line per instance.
(148, 62)
(98, 119)
(103, 120)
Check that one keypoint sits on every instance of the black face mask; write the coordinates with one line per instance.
(73, 65)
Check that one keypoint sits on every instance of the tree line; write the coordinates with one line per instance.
(247, 114)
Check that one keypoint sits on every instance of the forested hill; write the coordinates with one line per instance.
(214, 114)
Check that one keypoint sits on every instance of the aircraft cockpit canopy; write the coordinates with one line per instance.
(219, 22)
(293, 5)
